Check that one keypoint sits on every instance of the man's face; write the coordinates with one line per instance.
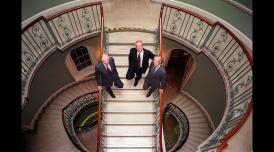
(156, 61)
(139, 46)
(106, 60)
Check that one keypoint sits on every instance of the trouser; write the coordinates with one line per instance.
(145, 87)
(139, 73)
(118, 84)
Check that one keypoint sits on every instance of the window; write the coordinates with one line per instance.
(80, 57)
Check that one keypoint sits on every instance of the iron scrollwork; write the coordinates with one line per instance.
(66, 32)
(44, 42)
(216, 46)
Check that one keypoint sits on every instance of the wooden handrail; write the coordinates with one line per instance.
(102, 30)
(100, 91)
(59, 14)
(246, 52)
(232, 132)
(63, 120)
(161, 121)
(99, 120)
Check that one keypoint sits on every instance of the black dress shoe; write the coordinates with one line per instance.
(112, 95)
(135, 83)
(148, 94)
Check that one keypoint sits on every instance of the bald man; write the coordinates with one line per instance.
(138, 61)
(106, 74)
(156, 77)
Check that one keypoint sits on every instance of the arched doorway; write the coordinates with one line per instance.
(180, 67)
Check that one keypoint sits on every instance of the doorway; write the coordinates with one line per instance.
(179, 68)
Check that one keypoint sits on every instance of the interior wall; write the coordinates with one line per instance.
(51, 76)
(205, 85)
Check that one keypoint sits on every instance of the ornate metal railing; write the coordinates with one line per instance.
(158, 120)
(102, 94)
(229, 55)
(44, 35)
(71, 111)
(182, 120)
(101, 124)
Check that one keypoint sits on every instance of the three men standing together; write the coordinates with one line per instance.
(107, 75)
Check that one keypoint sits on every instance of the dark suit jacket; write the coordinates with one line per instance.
(156, 79)
(132, 59)
(102, 76)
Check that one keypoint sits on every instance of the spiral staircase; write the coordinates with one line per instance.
(129, 120)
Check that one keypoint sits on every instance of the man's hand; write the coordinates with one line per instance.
(161, 90)
(99, 88)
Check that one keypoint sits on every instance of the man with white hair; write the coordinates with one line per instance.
(156, 77)
(138, 61)
(106, 74)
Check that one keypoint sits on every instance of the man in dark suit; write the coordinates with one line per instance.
(106, 74)
(138, 61)
(156, 77)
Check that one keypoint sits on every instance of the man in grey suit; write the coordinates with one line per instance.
(106, 74)
(156, 77)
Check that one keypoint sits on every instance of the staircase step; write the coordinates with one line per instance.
(128, 84)
(129, 149)
(125, 49)
(131, 95)
(130, 37)
(138, 130)
(133, 118)
(129, 107)
(122, 61)
(129, 142)
(122, 71)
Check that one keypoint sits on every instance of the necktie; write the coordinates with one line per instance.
(109, 72)
(155, 69)
(138, 61)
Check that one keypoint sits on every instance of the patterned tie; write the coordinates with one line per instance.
(138, 60)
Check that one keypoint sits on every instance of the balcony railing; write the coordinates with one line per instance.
(229, 55)
(183, 122)
(71, 111)
(44, 35)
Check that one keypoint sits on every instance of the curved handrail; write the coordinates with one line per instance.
(180, 142)
(55, 31)
(224, 63)
(68, 114)
(234, 130)
(102, 39)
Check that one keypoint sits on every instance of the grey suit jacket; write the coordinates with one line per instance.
(156, 79)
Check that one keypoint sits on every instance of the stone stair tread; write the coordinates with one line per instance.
(129, 141)
(130, 37)
(129, 107)
(130, 95)
(116, 130)
(129, 118)
(129, 149)
(122, 71)
(125, 49)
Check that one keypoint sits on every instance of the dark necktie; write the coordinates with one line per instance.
(138, 60)
(109, 72)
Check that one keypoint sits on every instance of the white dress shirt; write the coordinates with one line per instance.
(108, 67)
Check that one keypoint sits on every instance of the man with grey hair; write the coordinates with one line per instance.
(156, 77)
(138, 61)
(106, 74)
